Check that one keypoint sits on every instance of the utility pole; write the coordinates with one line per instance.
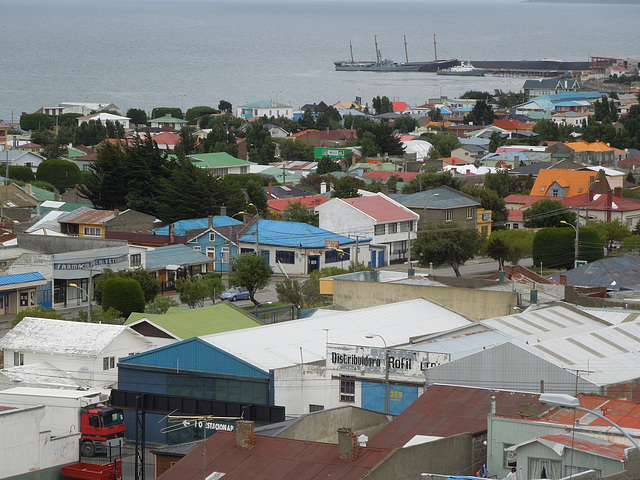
(355, 267)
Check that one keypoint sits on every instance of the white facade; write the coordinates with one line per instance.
(301, 261)
(339, 216)
(87, 351)
(26, 447)
(104, 117)
(573, 119)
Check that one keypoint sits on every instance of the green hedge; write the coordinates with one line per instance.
(124, 295)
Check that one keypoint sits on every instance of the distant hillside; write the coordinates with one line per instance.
(604, 2)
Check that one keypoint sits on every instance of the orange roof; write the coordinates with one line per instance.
(383, 176)
(583, 146)
(513, 124)
(310, 201)
(455, 161)
(575, 181)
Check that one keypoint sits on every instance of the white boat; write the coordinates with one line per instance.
(464, 70)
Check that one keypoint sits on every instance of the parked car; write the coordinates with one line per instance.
(235, 293)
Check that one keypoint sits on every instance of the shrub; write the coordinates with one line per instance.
(124, 295)
(555, 247)
(19, 172)
(61, 173)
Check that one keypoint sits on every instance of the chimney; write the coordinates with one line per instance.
(116, 212)
(347, 445)
(563, 279)
(384, 189)
(210, 221)
(493, 404)
(617, 192)
(245, 438)
(516, 161)
(609, 204)
(323, 188)
(223, 211)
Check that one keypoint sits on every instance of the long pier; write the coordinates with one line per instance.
(538, 68)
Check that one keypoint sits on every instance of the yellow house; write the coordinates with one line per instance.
(484, 221)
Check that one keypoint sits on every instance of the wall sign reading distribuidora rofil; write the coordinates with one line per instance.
(410, 363)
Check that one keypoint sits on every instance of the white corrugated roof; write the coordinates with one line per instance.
(60, 336)
(610, 354)
(612, 316)
(546, 323)
(305, 340)
(42, 375)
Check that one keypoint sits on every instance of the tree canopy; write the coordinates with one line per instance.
(446, 244)
(547, 213)
(251, 272)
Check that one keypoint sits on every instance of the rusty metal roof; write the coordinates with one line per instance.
(273, 459)
(591, 445)
(445, 410)
(625, 413)
(87, 216)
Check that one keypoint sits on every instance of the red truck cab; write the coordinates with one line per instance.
(101, 427)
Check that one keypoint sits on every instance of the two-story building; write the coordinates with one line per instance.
(265, 108)
(389, 223)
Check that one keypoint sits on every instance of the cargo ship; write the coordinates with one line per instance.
(380, 65)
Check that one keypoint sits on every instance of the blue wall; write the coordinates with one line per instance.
(400, 397)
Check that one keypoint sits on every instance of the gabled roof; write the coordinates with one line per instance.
(278, 345)
(436, 198)
(625, 413)
(167, 119)
(310, 201)
(161, 257)
(41, 375)
(583, 146)
(577, 441)
(181, 226)
(87, 216)
(103, 116)
(183, 323)
(384, 176)
(443, 411)
(265, 104)
(293, 235)
(614, 273)
(61, 336)
(576, 181)
(381, 208)
(273, 458)
(167, 138)
(513, 124)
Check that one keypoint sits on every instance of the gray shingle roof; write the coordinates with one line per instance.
(442, 197)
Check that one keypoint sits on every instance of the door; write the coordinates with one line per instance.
(381, 258)
(373, 259)
(313, 264)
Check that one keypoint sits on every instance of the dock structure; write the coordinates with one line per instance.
(533, 68)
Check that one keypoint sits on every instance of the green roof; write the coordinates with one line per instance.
(42, 193)
(167, 119)
(73, 152)
(277, 174)
(187, 323)
(217, 160)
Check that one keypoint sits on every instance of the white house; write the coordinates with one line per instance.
(103, 117)
(389, 223)
(22, 158)
(265, 108)
(87, 351)
(299, 248)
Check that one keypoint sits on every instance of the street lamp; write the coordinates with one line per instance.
(386, 370)
(231, 244)
(88, 298)
(257, 231)
(577, 229)
(567, 401)
(420, 174)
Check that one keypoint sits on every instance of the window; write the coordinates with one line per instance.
(315, 408)
(136, 259)
(197, 248)
(285, 256)
(469, 213)
(573, 471)
(92, 232)
(448, 215)
(225, 254)
(333, 256)
(347, 389)
(378, 230)
(108, 363)
(393, 228)
(508, 458)
(24, 299)
(212, 237)
(405, 226)
(18, 358)
(516, 226)
(555, 192)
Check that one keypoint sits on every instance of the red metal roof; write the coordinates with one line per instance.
(599, 202)
(623, 412)
(310, 201)
(587, 444)
(273, 458)
(381, 208)
(87, 216)
(445, 410)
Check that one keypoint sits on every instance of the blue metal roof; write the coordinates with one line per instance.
(182, 226)
(160, 257)
(195, 355)
(20, 278)
(293, 234)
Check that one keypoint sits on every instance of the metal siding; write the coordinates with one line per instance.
(373, 397)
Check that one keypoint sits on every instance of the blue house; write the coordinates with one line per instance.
(211, 236)
(191, 368)
(21, 291)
